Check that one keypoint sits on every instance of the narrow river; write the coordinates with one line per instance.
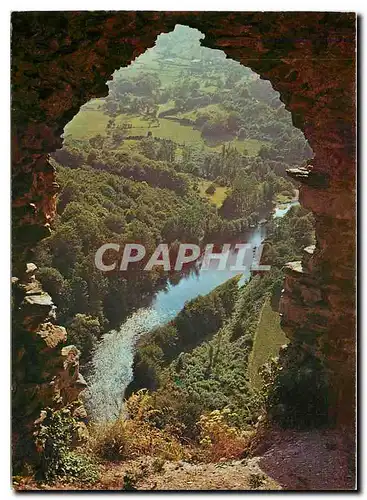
(112, 362)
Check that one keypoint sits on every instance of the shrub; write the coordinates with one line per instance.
(298, 396)
(55, 437)
(221, 439)
(211, 189)
(221, 181)
(180, 410)
(136, 435)
(52, 281)
(109, 440)
(83, 332)
(256, 480)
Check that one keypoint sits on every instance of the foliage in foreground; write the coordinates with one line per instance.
(219, 438)
(136, 434)
(60, 460)
(140, 433)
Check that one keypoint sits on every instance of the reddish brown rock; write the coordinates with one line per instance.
(52, 334)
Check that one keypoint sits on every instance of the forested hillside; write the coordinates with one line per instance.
(187, 147)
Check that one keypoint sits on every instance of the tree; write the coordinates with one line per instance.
(264, 152)
(149, 147)
(234, 121)
(79, 296)
(83, 332)
(52, 281)
(210, 189)
(97, 142)
(166, 151)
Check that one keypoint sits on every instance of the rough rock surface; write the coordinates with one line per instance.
(45, 372)
(61, 60)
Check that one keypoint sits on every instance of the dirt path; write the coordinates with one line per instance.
(232, 475)
(288, 460)
(312, 460)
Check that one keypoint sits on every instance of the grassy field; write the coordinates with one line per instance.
(94, 104)
(177, 132)
(169, 129)
(129, 145)
(252, 146)
(211, 89)
(210, 108)
(269, 337)
(87, 123)
(166, 106)
(282, 198)
(148, 63)
(218, 197)
(91, 121)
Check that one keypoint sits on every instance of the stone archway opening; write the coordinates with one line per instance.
(195, 98)
(310, 60)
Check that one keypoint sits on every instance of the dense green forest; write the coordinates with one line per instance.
(188, 146)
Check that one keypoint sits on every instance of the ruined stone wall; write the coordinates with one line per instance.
(62, 60)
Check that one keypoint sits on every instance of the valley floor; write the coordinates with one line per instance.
(286, 460)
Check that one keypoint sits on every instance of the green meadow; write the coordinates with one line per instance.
(269, 337)
(91, 121)
(218, 197)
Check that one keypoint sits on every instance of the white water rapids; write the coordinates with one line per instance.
(112, 364)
